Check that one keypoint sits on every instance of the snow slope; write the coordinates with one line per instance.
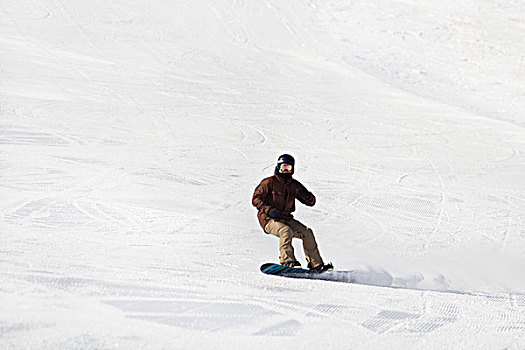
(132, 135)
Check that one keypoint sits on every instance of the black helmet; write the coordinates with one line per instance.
(285, 159)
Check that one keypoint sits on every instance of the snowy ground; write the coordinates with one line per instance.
(132, 135)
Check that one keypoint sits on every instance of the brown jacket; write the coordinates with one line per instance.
(279, 193)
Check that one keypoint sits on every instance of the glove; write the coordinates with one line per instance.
(302, 193)
(275, 214)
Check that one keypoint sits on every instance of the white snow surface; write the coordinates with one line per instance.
(133, 133)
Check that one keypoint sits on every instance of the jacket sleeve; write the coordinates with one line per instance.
(311, 200)
(259, 196)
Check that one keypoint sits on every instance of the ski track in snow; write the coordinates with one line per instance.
(133, 134)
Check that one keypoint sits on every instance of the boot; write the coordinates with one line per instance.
(292, 263)
(321, 267)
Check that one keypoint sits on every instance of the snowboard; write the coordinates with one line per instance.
(360, 276)
(280, 270)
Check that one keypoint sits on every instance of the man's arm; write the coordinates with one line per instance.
(259, 196)
(304, 196)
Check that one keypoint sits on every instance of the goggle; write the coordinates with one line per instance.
(285, 168)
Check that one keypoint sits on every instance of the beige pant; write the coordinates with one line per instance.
(286, 230)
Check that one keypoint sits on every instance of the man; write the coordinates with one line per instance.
(275, 199)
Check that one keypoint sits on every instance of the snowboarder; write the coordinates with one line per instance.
(274, 198)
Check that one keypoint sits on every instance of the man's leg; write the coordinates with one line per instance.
(285, 234)
(311, 251)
